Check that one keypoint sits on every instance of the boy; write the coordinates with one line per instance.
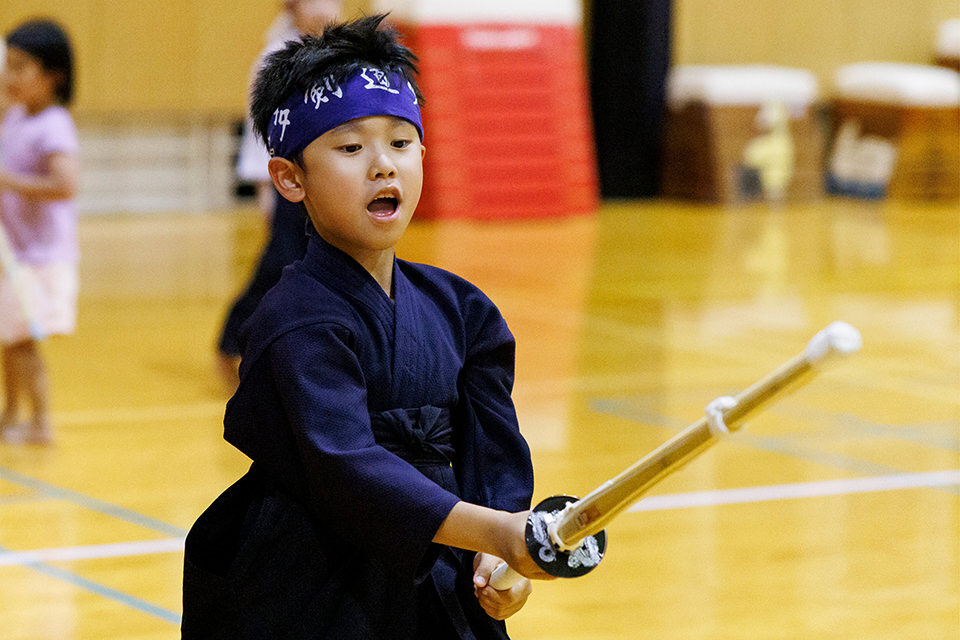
(374, 395)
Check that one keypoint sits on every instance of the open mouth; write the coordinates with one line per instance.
(383, 206)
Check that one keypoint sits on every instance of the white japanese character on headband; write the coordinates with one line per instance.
(281, 117)
(379, 81)
(320, 91)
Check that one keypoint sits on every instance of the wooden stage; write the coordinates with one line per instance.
(834, 515)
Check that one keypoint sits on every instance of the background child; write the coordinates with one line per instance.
(287, 240)
(38, 181)
(389, 475)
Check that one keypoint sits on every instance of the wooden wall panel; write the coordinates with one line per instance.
(175, 56)
(195, 55)
(819, 35)
(142, 65)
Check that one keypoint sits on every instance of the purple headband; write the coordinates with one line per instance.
(370, 92)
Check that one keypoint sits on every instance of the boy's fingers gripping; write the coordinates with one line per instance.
(498, 604)
(483, 566)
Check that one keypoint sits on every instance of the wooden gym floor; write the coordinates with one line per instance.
(835, 515)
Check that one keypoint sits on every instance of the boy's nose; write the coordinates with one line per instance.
(382, 167)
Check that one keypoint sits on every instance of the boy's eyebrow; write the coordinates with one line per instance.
(346, 127)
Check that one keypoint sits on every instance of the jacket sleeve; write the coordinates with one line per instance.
(495, 469)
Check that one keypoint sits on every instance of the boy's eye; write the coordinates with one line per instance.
(351, 148)
(401, 144)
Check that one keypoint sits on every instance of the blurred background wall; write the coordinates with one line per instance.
(176, 55)
(194, 55)
(162, 86)
(819, 35)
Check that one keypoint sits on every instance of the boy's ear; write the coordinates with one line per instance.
(287, 178)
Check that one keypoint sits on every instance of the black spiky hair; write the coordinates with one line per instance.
(339, 51)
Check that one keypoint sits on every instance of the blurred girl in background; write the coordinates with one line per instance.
(38, 218)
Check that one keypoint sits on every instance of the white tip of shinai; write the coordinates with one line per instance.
(837, 338)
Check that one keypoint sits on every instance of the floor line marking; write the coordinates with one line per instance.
(88, 502)
(652, 503)
(103, 590)
(92, 552)
(799, 490)
(793, 446)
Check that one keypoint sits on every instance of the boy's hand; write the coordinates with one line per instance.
(513, 547)
(499, 605)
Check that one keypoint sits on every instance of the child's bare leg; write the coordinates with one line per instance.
(30, 374)
(38, 389)
(11, 390)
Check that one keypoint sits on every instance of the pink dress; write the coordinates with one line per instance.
(38, 296)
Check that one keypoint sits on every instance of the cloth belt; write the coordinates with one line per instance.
(422, 436)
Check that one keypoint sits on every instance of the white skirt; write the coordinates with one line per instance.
(42, 303)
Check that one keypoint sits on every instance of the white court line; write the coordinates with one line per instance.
(91, 552)
(653, 503)
(799, 490)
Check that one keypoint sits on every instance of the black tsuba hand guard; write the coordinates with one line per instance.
(558, 563)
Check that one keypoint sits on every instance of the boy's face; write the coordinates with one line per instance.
(362, 183)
